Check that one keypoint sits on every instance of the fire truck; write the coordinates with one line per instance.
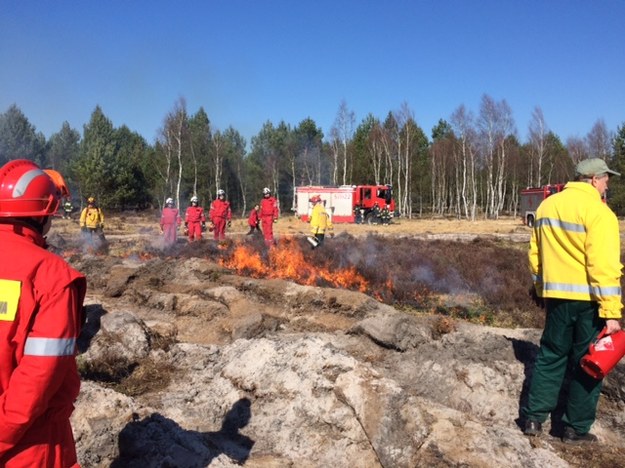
(347, 203)
(531, 198)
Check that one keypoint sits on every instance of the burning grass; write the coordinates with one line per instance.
(481, 281)
(485, 281)
(287, 260)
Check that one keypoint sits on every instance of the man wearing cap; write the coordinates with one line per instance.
(574, 259)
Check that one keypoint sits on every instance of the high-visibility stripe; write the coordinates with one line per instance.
(558, 223)
(583, 288)
(24, 181)
(537, 278)
(50, 346)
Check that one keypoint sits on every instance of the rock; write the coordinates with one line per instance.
(122, 338)
(393, 331)
(271, 374)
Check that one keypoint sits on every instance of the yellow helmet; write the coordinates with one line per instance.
(91, 200)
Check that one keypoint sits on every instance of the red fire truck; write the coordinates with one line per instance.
(347, 203)
(531, 198)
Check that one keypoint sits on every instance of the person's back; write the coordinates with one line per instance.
(574, 260)
(573, 226)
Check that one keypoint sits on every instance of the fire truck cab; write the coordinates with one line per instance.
(531, 197)
(347, 203)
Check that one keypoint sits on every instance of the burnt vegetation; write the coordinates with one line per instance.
(484, 281)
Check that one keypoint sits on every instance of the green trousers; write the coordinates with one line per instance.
(570, 327)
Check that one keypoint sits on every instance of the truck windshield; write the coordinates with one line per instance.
(386, 194)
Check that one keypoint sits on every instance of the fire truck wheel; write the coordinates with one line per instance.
(530, 221)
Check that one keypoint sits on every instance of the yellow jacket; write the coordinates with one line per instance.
(319, 220)
(92, 217)
(575, 249)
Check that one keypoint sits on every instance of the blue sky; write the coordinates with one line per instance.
(247, 62)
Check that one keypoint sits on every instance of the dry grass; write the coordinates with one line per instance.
(411, 264)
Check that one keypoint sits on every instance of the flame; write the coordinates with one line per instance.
(386, 292)
(70, 253)
(287, 261)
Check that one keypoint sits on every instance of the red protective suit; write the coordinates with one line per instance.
(193, 218)
(268, 215)
(170, 220)
(219, 214)
(40, 319)
(254, 219)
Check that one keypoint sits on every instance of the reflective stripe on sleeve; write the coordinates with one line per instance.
(583, 288)
(557, 223)
(50, 346)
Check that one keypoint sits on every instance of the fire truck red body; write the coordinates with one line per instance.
(342, 201)
(532, 197)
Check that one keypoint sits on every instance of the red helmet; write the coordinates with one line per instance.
(315, 199)
(26, 190)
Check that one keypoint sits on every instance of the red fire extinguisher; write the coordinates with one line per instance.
(604, 354)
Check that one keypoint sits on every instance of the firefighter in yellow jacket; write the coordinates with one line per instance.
(574, 259)
(92, 221)
(320, 221)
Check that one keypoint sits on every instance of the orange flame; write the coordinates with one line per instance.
(287, 261)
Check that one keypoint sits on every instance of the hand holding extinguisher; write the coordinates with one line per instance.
(605, 352)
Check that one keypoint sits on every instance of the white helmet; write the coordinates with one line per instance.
(194, 199)
(266, 190)
(169, 201)
(221, 192)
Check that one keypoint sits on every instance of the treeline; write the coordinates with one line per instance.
(470, 166)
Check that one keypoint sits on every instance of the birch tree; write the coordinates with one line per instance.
(577, 149)
(342, 130)
(599, 141)
(172, 137)
(537, 135)
(463, 124)
(495, 123)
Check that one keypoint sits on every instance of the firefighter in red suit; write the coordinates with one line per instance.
(194, 220)
(170, 220)
(253, 220)
(219, 215)
(268, 215)
(40, 319)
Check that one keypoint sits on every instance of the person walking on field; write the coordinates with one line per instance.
(170, 221)
(41, 300)
(320, 221)
(220, 215)
(574, 259)
(194, 220)
(268, 215)
(253, 220)
(92, 221)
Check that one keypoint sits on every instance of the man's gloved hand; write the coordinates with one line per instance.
(539, 301)
(275, 220)
(229, 223)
